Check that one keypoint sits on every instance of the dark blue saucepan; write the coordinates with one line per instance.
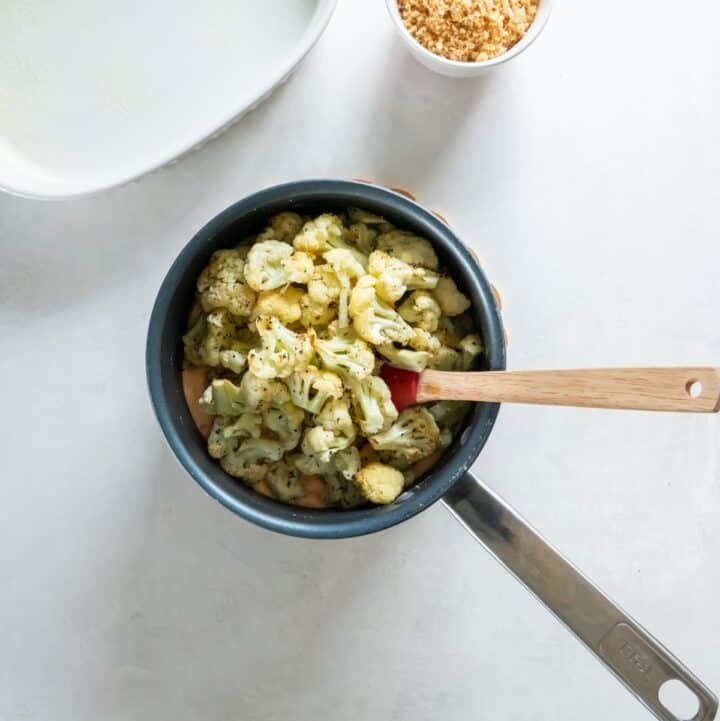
(634, 656)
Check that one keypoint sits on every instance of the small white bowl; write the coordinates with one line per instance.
(457, 69)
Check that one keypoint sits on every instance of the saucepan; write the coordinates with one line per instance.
(618, 641)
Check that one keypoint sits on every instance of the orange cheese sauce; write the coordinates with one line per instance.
(195, 381)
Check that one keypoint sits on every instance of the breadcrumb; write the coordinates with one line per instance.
(468, 30)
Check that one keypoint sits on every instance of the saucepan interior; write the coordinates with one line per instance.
(165, 355)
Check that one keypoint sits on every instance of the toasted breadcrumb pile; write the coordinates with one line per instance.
(468, 30)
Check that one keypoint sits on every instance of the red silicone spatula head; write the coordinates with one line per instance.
(403, 385)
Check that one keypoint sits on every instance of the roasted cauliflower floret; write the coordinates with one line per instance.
(323, 443)
(451, 300)
(241, 407)
(324, 286)
(337, 474)
(335, 430)
(310, 464)
(362, 236)
(324, 233)
(373, 406)
(299, 267)
(412, 360)
(223, 398)
(449, 414)
(345, 354)
(341, 492)
(284, 481)
(358, 215)
(422, 310)
(252, 459)
(344, 264)
(331, 282)
(283, 352)
(234, 360)
(193, 341)
(335, 416)
(283, 304)
(314, 314)
(310, 388)
(449, 330)
(222, 284)
(346, 270)
(422, 340)
(283, 226)
(219, 443)
(224, 338)
(379, 483)
(413, 436)
(285, 421)
(242, 410)
(409, 248)
(214, 340)
(445, 359)
(320, 234)
(395, 277)
(320, 304)
(347, 462)
(272, 264)
(246, 425)
(374, 320)
(470, 348)
(262, 393)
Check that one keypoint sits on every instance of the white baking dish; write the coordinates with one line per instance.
(93, 95)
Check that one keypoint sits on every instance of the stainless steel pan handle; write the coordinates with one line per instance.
(625, 647)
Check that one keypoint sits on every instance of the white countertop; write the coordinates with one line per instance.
(585, 173)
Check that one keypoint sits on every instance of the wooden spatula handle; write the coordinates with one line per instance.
(693, 389)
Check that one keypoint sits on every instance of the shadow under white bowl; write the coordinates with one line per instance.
(457, 69)
(95, 95)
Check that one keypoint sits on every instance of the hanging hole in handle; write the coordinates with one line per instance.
(693, 388)
(678, 699)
